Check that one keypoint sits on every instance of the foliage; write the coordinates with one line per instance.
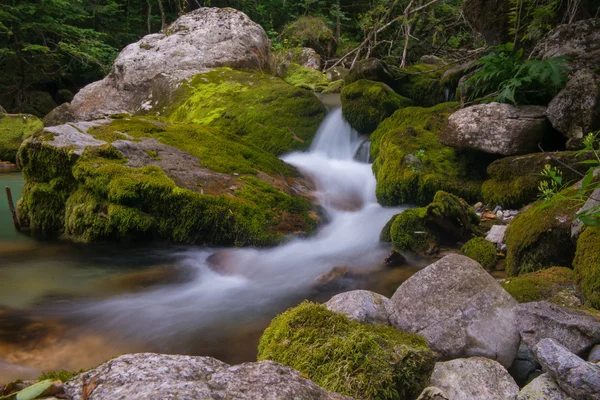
(503, 75)
(364, 361)
(32, 392)
(60, 375)
(482, 251)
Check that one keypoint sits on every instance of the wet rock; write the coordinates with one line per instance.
(488, 17)
(338, 277)
(544, 387)
(574, 330)
(59, 116)
(577, 378)
(575, 111)
(362, 306)
(496, 235)
(474, 378)
(160, 376)
(460, 309)
(496, 128)
(395, 259)
(525, 367)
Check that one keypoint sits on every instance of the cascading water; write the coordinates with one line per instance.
(266, 281)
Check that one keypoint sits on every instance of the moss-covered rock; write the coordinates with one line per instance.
(305, 78)
(364, 361)
(446, 220)
(514, 180)
(261, 109)
(14, 128)
(413, 132)
(372, 69)
(334, 87)
(366, 103)
(587, 265)
(482, 251)
(541, 285)
(311, 31)
(386, 232)
(423, 84)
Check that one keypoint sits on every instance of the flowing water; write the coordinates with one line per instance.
(195, 310)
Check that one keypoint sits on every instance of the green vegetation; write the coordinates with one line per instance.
(540, 285)
(297, 75)
(60, 375)
(366, 103)
(422, 83)
(482, 251)
(386, 232)
(360, 360)
(311, 31)
(587, 265)
(415, 130)
(13, 130)
(410, 232)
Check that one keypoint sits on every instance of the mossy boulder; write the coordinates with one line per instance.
(372, 69)
(423, 84)
(363, 361)
(262, 110)
(334, 87)
(366, 103)
(587, 265)
(543, 285)
(14, 128)
(411, 165)
(311, 31)
(305, 78)
(482, 251)
(446, 220)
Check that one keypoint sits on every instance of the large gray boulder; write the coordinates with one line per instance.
(574, 330)
(577, 378)
(579, 41)
(151, 376)
(460, 309)
(496, 128)
(361, 305)
(148, 71)
(575, 111)
(475, 378)
(544, 387)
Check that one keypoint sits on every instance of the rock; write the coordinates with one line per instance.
(395, 259)
(496, 235)
(482, 251)
(431, 60)
(14, 129)
(424, 84)
(362, 306)
(474, 378)
(59, 116)
(148, 71)
(525, 367)
(337, 277)
(306, 57)
(575, 111)
(38, 103)
(311, 31)
(592, 202)
(544, 387)
(579, 379)
(460, 309)
(163, 376)
(594, 356)
(547, 284)
(576, 331)
(488, 17)
(371, 69)
(587, 268)
(336, 73)
(579, 41)
(433, 393)
(64, 96)
(305, 78)
(496, 128)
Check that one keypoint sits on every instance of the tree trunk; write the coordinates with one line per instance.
(163, 19)
(149, 21)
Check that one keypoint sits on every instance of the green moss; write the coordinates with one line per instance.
(310, 31)
(13, 130)
(482, 251)
(415, 130)
(366, 103)
(423, 87)
(263, 111)
(386, 232)
(587, 265)
(360, 360)
(60, 375)
(334, 87)
(540, 285)
(305, 78)
(410, 232)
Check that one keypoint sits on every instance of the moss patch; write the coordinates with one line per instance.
(482, 251)
(13, 130)
(262, 110)
(414, 132)
(305, 78)
(540, 285)
(423, 87)
(587, 265)
(360, 360)
(334, 87)
(366, 103)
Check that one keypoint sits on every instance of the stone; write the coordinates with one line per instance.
(592, 202)
(306, 57)
(362, 306)
(371, 69)
(576, 331)
(433, 393)
(431, 60)
(544, 387)
(460, 309)
(338, 277)
(579, 379)
(594, 356)
(496, 128)
(336, 73)
(488, 17)
(163, 376)
(496, 235)
(59, 116)
(579, 41)
(475, 378)
(525, 367)
(150, 70)
(395, 259)
(575, 111)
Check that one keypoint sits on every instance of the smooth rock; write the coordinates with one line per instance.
(59, 116)
(395, 259)
(460, 309)
(151, 376)
(525, 367)
(496, 128)
(594, 356)
(362, 306)
(544, 387)
(574, 330)
(496, 234)
(579, 379)
(474, 378)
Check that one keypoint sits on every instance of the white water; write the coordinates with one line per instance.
(267, 278)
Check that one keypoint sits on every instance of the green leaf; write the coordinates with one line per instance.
(32, 392)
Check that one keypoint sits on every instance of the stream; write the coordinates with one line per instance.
(72, 306)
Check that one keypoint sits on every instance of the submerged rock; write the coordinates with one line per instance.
(460, 309)
(361, 305)
(163, 376)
